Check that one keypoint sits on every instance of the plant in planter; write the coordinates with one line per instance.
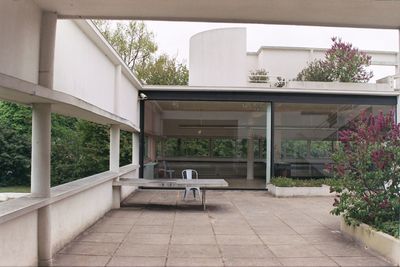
(258, 76)
(368, 163)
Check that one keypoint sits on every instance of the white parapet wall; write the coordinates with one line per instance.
(18, 241)
(74, 207)
(321, 191)
(384, 244)
(19, 42)
(88, 68)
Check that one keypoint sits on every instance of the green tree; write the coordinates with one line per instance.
(342, 63)
(15, 144)
(164, 71)
(132, 41)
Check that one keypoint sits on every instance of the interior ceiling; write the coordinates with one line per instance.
(211, 106)
(341, 13)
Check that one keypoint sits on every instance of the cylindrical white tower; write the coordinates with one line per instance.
(218, 58)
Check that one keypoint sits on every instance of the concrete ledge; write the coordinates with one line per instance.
(277, 191)
(17, 207)
(383, 244)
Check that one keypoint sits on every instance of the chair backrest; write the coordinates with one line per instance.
(188, 174)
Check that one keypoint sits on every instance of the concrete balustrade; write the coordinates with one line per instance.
(72, 207)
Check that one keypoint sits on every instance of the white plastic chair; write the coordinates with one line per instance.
(188, 174)
(166, 170)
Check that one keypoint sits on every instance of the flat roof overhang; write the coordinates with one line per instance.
(339, 13)
(297, 95)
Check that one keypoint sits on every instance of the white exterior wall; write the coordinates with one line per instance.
(19, 41)
(128, 101)
(71, 216)
(284, 62)
(80, 67)
(218, 58)
(18, 238)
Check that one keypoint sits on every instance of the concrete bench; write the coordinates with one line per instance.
(203, 184)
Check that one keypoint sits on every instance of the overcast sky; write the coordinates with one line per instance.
(173, 37)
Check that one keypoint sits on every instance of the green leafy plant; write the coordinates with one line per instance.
(368, 163)
(342, 63)
(258, 76)
(309, 182)
(280, 82)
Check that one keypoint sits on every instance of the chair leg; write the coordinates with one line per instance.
(184, 195)
(194, 193)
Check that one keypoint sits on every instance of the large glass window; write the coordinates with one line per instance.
(212, 138)
(305, 135)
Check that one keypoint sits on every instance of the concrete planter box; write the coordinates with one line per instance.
(299, 191)
(383, 244)
(373, 87)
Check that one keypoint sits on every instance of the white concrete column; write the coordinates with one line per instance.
(135, 148)
(114, 162)
(250, 154)
(47, 46)
(41, 150)
(117, 85)
(268, 143)
(114, 147)
(41, 137)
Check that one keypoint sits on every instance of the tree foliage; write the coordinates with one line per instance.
(132, 41)
(137, 48)
(368, 163)
(342, 63)
(164, 71)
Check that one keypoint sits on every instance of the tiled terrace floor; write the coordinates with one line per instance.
(239, 228)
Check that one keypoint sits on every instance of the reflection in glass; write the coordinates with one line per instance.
(305, 135)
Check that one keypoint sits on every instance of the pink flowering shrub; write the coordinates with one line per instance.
(368, 163)
(342, 63)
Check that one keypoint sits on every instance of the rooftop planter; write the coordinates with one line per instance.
(348, 86)
(384, 244)
(288, 187)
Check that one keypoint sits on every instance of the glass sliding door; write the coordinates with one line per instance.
(225, 140)
(305, 135)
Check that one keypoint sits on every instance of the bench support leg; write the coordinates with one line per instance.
(203, 198)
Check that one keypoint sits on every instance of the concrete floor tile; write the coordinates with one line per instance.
(267, 231)
(360, 261)
(151, 229)
(249, 262)
(156, 239)
(341, 249)
(125, 213)
(137, 261)
(118, 220)
(193, 251)
(282, 239)
(110, 228)
(320, 262)
(274, 230)
(232, 230)
(142, 250)
(238, 240)
(80, 260)
(295, 250)
(102, 237)
(194, 230)
(249, 251)
(181, 239)
(189, 262)
(90, 248)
